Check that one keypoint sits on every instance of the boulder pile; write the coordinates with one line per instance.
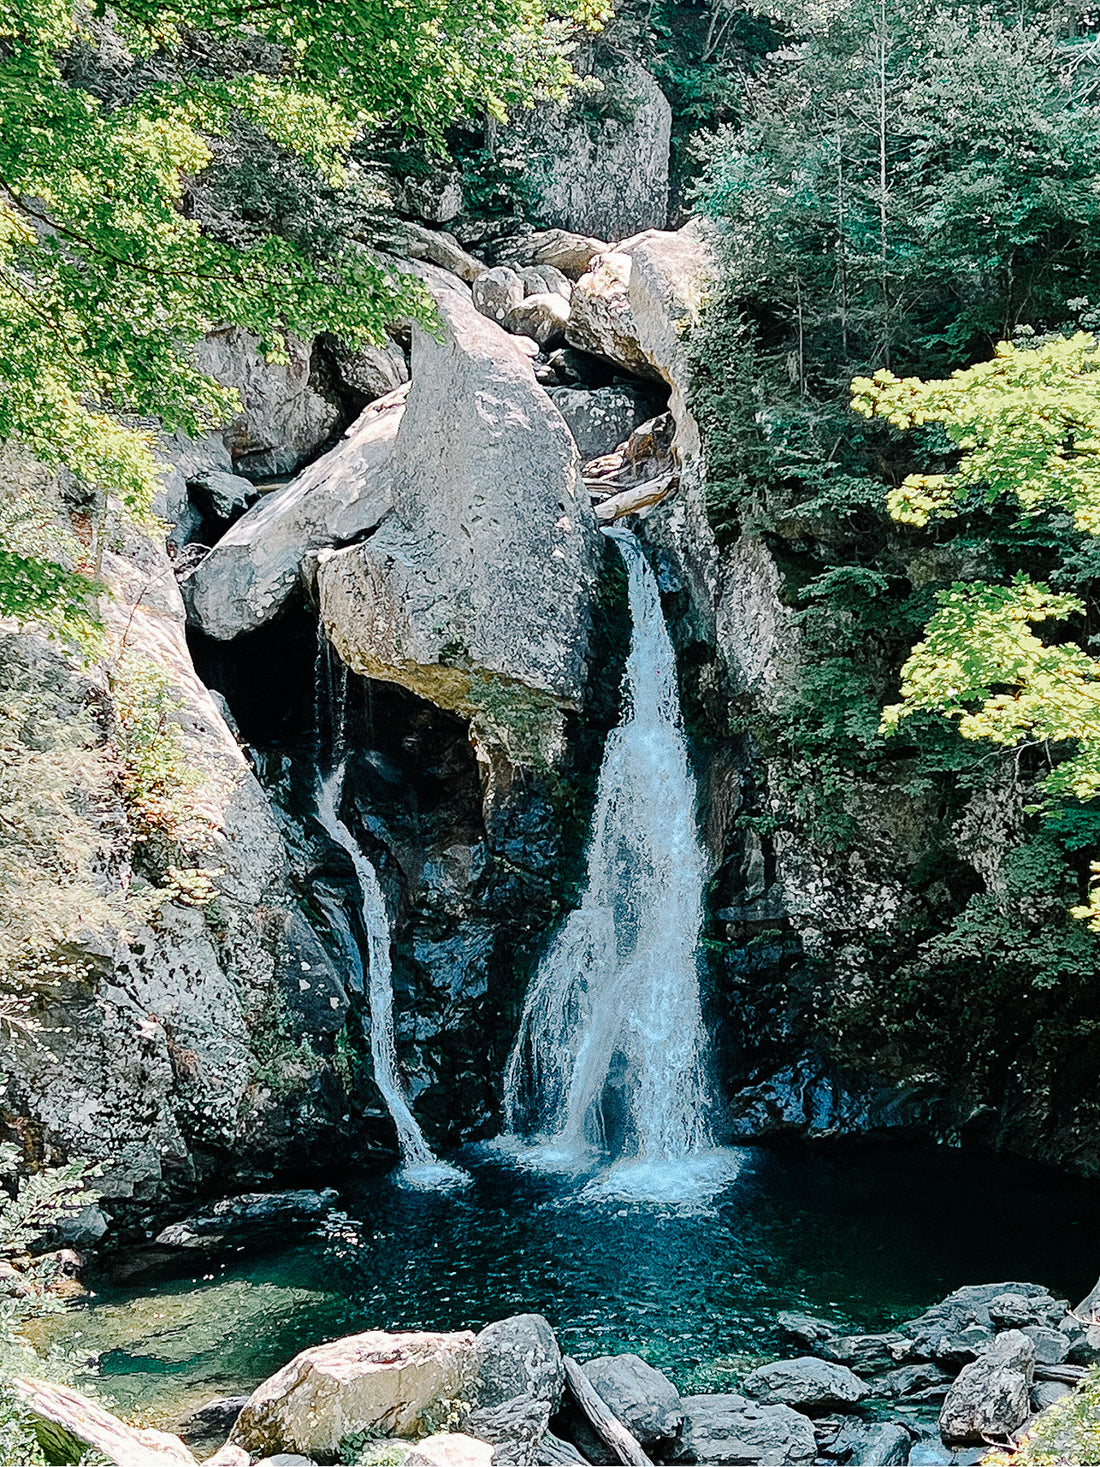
(962, 1379)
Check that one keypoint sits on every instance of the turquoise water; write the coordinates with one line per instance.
(868, 1239)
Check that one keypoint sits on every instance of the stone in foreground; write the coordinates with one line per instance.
(643, 1399)
(990, 1396)
(71, 1423)
(397, 1384)
(730, 1431)
(516, 1389)
(807, 1384)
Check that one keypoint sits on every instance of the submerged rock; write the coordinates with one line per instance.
(643, 1399)
(728, 1429)
(990, 1396)
(807, 1384)
(393, 1384)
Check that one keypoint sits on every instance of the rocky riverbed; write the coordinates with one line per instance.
(967, 1376)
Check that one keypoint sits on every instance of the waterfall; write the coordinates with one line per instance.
(609, 1055)
(419, 1164)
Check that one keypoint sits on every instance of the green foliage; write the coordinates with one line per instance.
(126, 131)
(1066, 1434)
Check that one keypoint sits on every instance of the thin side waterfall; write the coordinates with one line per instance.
(419, 1164)
(610, 1051)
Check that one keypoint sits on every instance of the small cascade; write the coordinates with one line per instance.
(609, 1055)
(420, 1167)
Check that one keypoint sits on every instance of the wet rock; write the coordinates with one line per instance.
(476, 592)
(990, 1396)
(930, 1451)
(253, 570)
(882, 1444)
(807, 1384)
(517, 1387)
(396, 1384)
(212, 1419)
(283, 419)
(252, 1213)
(806, 1327)
(542, 317)
(643, 1399)
(728, 1429)
(602, 419)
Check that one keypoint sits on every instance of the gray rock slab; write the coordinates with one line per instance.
(807, 1384)
(642, 1398)
(730, 1431)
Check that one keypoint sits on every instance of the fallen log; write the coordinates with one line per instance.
(616, 1438)
(1063, 1374)
(651, 492)
(63, 1417)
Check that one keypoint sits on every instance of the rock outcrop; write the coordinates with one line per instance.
(284, 419)
(475, 591)
(254, 569)
(600, 164)
(385, 1384)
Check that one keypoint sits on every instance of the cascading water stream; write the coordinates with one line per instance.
(610, 1051)
(419, 1164)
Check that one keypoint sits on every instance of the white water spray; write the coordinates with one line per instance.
(609, 1055)
(419, 1164)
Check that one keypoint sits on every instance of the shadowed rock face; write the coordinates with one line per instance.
(253, 570)
(476, 591)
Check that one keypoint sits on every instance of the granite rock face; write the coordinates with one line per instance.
(253, 570)
(284, 419)
(475, 591)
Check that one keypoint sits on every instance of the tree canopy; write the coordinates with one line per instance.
(109, 120)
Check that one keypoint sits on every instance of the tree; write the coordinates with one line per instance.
(108, 121)
(1026, 427)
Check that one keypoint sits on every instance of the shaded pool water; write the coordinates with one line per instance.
(867, 1239)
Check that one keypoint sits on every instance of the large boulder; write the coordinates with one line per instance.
(253, 570)
(599, 164)
(475, 592)
(634, 305)
(152, 1052)
(283, 419)
(516, 1389)
(808, 1384)
(991, 1395)
(728, 1429)
(643, 1399)
(248, 1216)
(882, 1444)
(603, 418)
(387, 1384)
